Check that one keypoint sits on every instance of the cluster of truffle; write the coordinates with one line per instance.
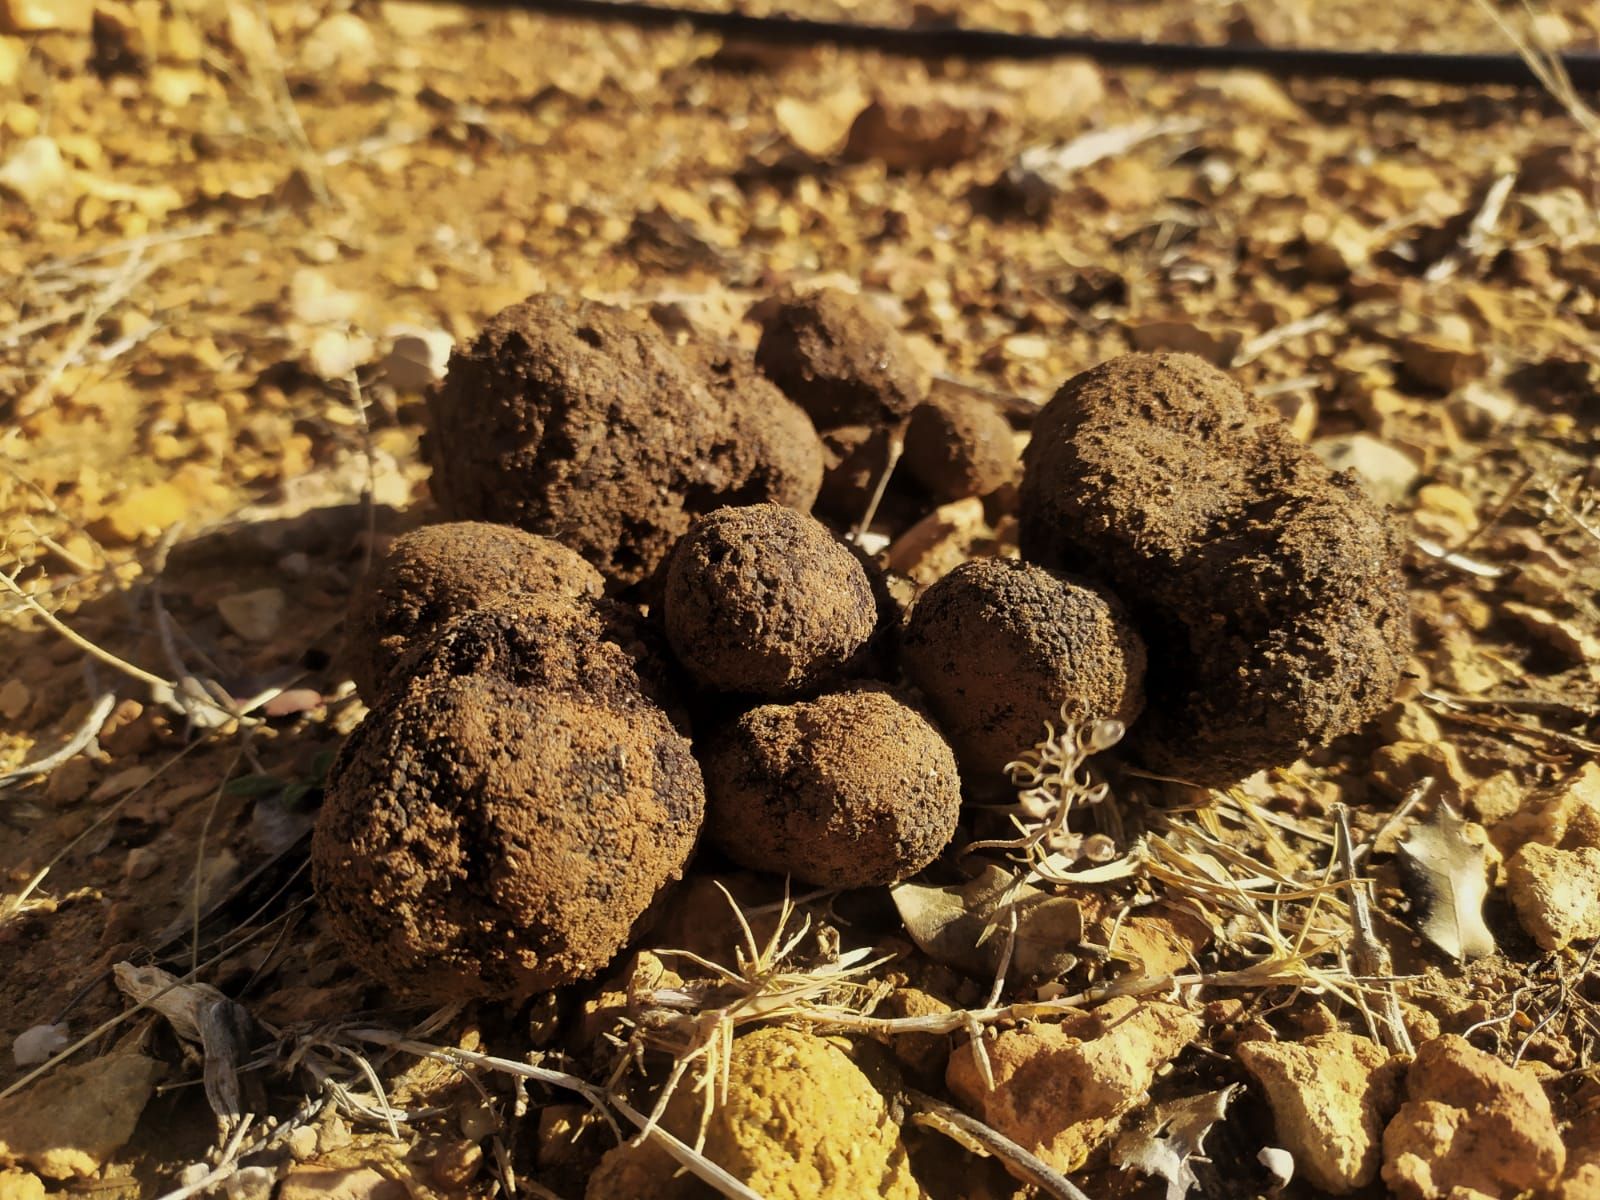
(525, 784)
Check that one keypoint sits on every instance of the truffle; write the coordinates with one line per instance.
(1000, 647)
(783, 448)
(1268, 588)
(582, 423)
(852, 789)
(602, 650)
(836, 357)
(484, 840)
(957, 446)
(765, 600)
(439, 571)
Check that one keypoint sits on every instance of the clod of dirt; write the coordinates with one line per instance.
(1061, 1088)
(71, 1123)
(580, 422)
(1000, 647)
(852, 789)
(1330, 1097)
(765, 600)
(1471, 1126)
(1556, 893)
(957, 446)
(437, 572)
(799, 1121)
(837, 358)
(481, 839)
(1268, 588)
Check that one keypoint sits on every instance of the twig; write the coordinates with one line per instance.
(93, 722)
(944, 1118)
(897, 444)
(1370, 957)
(691, 1160)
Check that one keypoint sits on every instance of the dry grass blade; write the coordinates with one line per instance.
(974, 1134)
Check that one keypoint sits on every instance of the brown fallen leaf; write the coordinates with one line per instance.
(1447, 877)
(965, 926)
(1170, 1137)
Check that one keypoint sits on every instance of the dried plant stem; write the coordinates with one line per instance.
(1369, 955)
(967, 1130)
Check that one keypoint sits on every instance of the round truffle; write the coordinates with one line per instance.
(837, 358)
(484, 840)
(1000, 647)
(582, 423)
(957, 446)
(1268, 588)
(852, 789)
(434, 573)
(765, 600)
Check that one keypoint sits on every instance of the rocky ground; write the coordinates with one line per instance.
(239, 243)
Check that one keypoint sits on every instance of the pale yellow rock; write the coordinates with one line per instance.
(12, 53)
(1061, 1087)
(145, 511)
(254, 615)
(800, 1122)
(35, 171)
(1556, 893)
(1471, 1126)
(1330, 1096)
(73, 1119)
(44, 16)
(341, 45)
(354, 1183)
(21, 1185)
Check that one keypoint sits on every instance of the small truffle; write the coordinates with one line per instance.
(1000, 647)
(783, 448)
(1268, 588)
(582, 423)
(957, 446)
(837, 358)
(484, 840)
(765, 600)
(439, 571)
(852, 789)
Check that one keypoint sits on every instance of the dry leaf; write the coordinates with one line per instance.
(965, 926)
(1171, 1136)
(1447, 876)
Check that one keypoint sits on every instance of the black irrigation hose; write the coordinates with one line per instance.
(958, 42)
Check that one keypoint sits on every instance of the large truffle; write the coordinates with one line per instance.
(484, 840)
(836, 357)
(1000, 647)
(1268, 588)
(582, 423)
(851, 789)
(765, 600)
(437, 572)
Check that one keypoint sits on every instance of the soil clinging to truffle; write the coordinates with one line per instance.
(1000, 647)
(835, 356)
(440, 571)
(483, 840)
(1268, 588)
(852, 789)
(765, 600)
(582, 423)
